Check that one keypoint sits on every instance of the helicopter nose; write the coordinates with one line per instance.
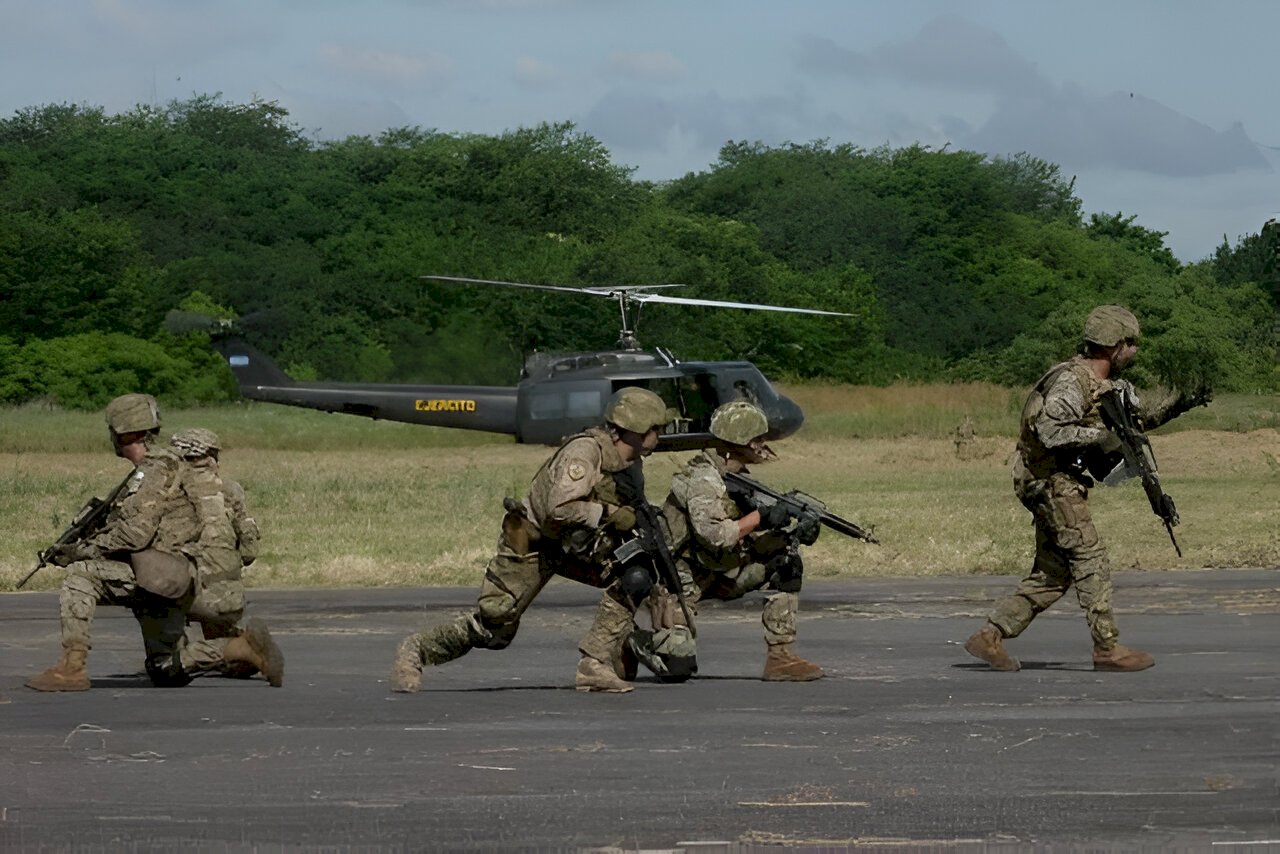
(786, 418)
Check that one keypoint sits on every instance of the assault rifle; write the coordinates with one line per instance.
(1117, 407)
(650, 538)
(83, 525)
(798, 505)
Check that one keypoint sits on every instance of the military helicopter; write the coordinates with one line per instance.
(557, 395)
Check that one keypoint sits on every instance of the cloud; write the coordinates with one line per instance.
(639, 122)
(387, 66)
(534, 73)
(948, 52)
(1120, 130)
(651, 65)
(1060, 123)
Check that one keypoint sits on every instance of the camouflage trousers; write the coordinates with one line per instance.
(512, 580)
(213, 620)
(1068, 552)
(779, 613)
(90, 583)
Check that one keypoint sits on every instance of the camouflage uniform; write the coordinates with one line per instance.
(713, 562)
(152, 514)
(559, 529)
(1061, 429)
(228, 541)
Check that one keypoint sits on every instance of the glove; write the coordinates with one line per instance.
(807, 529)
(622, 519)
(1109, 444)
(773, 516)
(65, 554)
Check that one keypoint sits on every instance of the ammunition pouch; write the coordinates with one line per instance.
(518, 529)
(167, 576)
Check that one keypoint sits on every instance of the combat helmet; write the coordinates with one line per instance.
(195, 442)
(1108, 325)
(133, 413)
(636, 409)
(738, 422)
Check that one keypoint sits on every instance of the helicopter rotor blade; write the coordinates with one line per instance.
(588, 291)
(647, 298)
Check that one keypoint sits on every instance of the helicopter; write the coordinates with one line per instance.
(558, 394)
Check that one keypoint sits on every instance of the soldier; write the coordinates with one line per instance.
(228, 542)
(568, 525)
(137, 559)
(724, 551)
(1061, 431)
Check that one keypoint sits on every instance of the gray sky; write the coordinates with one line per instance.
(1165, 109)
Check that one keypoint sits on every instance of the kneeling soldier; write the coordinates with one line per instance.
(570, 525)
(725, 550)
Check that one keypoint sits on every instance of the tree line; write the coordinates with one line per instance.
(955, 265)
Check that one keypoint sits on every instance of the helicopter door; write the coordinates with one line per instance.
(692, 396)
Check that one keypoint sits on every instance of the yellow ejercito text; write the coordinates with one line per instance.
(444, 405)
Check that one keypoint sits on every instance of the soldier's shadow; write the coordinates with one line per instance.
(120, 681)
(1067, 666)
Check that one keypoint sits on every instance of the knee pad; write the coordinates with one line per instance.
(786, 572)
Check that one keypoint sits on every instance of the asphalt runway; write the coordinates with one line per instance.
(908, 743)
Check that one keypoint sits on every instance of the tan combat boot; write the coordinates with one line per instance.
(256, 648)
(783, 665)
(406, 671)
(594, 675)
(987, 643)
(1121, 659)
(67, 675)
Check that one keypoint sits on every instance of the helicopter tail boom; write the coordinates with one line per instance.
(485, 408)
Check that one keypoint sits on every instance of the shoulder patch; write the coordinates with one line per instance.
(577, 471)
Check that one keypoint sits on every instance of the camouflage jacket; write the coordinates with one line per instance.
(1062, 421)
(152, 512)
(702, 518)
(575, 488)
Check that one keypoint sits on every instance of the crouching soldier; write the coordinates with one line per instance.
(570, 524)
(228, 542)
(724, 549)
(134, 558)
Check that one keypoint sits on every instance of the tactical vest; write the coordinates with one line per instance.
(683, 543)
(1040, 461)
(608, 490)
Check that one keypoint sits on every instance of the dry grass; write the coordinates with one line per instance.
(380, 504)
